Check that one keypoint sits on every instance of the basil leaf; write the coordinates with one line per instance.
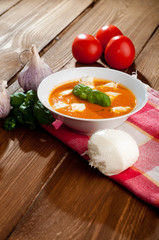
(31, 98)
(99, 98)
(93, 96)
(27, 115)
(81, 91)
(16, 99)
(17, 114)
(42, 114)
(27, 110)
(10, 123)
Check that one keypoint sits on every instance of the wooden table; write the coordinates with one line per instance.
(47, 191)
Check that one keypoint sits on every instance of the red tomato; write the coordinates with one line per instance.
(120, 52)
(105, 33)
(86, 48)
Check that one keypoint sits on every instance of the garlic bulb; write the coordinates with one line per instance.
(33, 72)
(4, 100)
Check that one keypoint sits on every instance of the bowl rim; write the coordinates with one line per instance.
(89, 119)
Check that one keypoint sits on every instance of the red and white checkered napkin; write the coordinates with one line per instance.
(142, 178)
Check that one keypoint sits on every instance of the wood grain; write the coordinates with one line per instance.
(86, 205)
(148, 61)
(35, 22)
(46, 187)
(27, 159)
(6, 5)
(125, 15)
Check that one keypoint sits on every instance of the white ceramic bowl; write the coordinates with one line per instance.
(89, 126)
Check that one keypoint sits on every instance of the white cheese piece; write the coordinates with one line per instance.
(119, 109)
(66, 92)
(59, 105)
(112, 151)
(110, 85)
(78, 107)
(112, 95)
(88, 81)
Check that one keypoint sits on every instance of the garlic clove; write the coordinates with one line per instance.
(4, 100)
(34, 71)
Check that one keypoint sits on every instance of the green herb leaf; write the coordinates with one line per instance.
(42, 114)
(31, 98)
(16, 99)
(94, 96)
(9, 123)
(27, 115)
(17, 114)
(27, 110)
(81, 91)
(100, 98)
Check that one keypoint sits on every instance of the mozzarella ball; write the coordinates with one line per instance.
(112, 151)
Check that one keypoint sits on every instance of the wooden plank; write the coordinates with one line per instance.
(22, 201)
(6, 5)
(125, 15)
(31, 22)
(148, 61)
(86, 205)
(69, 206)
(60, 56)
(27, 159)
(12, 165)
(133, 221)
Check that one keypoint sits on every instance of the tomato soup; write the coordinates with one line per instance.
(64, 101)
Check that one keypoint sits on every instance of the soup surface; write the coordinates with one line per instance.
(63, 100)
